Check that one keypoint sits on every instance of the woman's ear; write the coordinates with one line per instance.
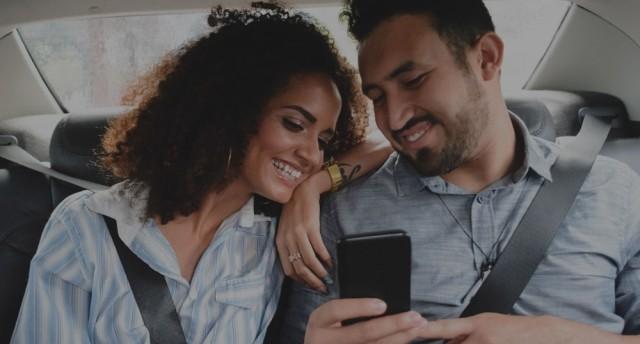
(490, 48)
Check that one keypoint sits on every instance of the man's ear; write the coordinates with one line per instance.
(490, 52)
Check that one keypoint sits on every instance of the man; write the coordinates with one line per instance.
(463, 176)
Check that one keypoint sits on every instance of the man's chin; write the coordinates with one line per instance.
(428, 164)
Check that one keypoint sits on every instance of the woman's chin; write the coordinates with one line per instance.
(279, 196)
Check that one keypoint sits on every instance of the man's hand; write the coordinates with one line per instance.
(498, 329)
(324, 324)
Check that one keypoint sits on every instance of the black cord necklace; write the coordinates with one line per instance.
(487, 265)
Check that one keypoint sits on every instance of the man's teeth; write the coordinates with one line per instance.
(416, 136)
(286, 170)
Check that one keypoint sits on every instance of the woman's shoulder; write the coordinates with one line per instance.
(68, 213)
(74, 204)
(78, 221)
(63, 250)
(86, 209)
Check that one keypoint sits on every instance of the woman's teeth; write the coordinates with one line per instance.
(287, 171)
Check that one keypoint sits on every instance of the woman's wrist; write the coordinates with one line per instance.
(319, 181)
(335, 175)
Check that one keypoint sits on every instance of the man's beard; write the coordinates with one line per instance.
(461, 137)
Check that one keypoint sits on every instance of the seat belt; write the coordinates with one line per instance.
(150, 292)
(547, 211)
(149, 287)
(10, 151)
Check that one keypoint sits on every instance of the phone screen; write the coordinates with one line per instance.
(378, 265)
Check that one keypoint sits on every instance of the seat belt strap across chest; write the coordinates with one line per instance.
(151, 293)
(538, 227)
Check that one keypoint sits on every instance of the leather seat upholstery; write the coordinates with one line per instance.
(25, 205)
(27, 199)
(74, 144)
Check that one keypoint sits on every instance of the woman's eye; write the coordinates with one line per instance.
(323, 144)
(292, 125)
(377, 100)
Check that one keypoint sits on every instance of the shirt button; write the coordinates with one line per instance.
(480, 199)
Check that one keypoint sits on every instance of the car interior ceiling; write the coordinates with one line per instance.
(27, 197)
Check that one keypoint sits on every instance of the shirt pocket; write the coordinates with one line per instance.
(244, 292)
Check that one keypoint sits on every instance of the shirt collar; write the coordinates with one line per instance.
(540, 155)
(128, 210)
(248, 216)
(122, 205)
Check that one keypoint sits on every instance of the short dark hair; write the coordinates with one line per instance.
(460, 23)
(197, 110)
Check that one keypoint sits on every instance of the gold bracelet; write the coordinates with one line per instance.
(335, 175)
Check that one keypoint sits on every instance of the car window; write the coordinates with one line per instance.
(89, 63)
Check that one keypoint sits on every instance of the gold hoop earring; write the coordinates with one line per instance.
(229, 158)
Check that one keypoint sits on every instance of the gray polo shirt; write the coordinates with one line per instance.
(590, 274)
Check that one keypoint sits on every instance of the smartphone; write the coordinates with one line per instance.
(378, 265)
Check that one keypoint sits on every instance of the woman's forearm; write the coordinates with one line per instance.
(358, 161)
(365, 157)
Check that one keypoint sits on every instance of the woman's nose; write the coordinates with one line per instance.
(310, 154)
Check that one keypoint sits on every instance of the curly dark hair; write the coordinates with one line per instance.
(458, 22)
(205, 100)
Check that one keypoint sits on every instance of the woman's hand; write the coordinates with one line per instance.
(302, 252)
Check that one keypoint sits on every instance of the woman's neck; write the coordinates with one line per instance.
(215, 208)
(190, 235)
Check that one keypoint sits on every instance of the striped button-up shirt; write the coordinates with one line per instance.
(591, 271)
(78, 291)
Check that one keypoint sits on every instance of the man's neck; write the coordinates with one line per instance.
(499, 153)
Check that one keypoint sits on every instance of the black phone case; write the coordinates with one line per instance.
(378, 265)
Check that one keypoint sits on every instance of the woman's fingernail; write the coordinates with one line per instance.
(327, 280)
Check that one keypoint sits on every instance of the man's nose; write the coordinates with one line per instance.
(399, 111)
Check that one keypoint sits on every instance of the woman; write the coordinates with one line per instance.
(251, 109)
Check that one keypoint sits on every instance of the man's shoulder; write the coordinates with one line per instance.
(378, 182)
(611, 175)
(370, 202)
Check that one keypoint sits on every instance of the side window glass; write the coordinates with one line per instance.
(527, 28)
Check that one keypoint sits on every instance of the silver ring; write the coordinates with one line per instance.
(294, 257)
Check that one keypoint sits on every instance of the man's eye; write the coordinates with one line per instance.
(415, 82)
(291, 125)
